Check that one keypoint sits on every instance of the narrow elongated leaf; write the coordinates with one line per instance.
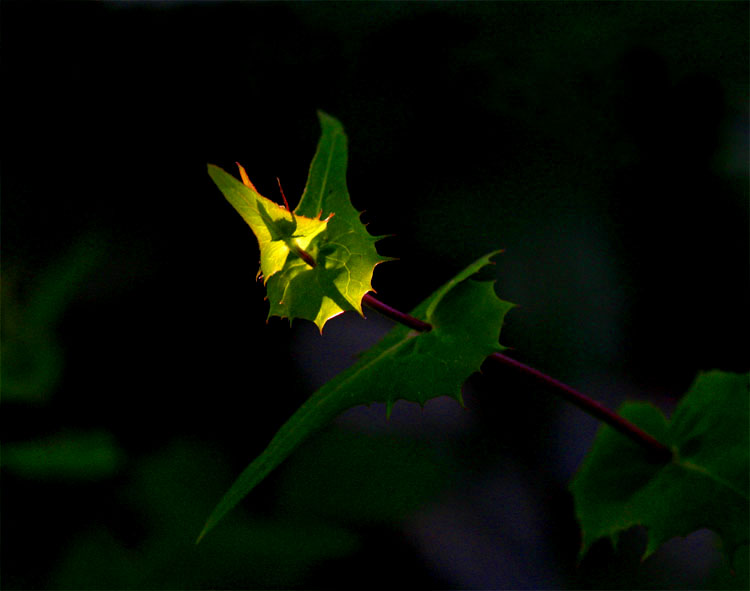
(706, 485)
(466, 316)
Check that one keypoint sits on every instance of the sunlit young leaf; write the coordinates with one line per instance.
(318, 261)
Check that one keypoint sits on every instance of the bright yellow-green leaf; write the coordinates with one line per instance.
(318, 261)
(279, 233)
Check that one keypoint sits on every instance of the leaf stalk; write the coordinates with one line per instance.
(657, 451)
(386, 310)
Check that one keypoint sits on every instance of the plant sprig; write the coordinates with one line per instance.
(317, 262)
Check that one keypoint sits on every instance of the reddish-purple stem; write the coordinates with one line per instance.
(656, 449)
(396, 315)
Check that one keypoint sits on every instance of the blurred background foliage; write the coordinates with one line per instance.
(604, 146)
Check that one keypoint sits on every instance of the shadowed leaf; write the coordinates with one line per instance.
(705, 486)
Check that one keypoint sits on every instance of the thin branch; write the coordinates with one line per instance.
(657, 450)
(396, 315)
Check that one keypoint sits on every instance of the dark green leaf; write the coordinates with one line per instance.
(704, 486)
(466, 316)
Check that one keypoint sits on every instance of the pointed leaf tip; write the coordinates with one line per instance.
(404, 365)
(245, 178)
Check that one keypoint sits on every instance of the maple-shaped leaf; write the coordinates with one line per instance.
(706, 485)
(318, 260)
(466, 318)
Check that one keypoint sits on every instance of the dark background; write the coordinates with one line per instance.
(603, 146)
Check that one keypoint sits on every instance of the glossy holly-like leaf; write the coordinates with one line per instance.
(318, 261)
(466, 317)
(704, 486)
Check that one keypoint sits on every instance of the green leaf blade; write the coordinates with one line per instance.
(311, 416)
(407, 365)
(705, 486)
(325, 226)
(347, 245)
(325, 191)
(277, 233)
(712, 430)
